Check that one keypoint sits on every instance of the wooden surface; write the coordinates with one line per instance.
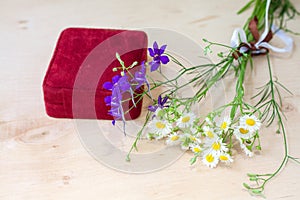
(43, 158)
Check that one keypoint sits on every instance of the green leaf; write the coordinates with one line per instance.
(233, 111)
(246, 7)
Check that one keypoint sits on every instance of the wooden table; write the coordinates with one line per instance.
(43, 158)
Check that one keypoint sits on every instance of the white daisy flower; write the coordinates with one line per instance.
(195, 148)
(173, 139)
(250, 122)
(216, 146)
(211, 160)
(186, 120)
(194, 139)
(242, 132)
(160, 127)
(225, 123)
(209, 133)
(226, 158)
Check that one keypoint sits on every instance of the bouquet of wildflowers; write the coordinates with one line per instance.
(212, 137)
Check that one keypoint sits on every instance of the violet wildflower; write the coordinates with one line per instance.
(118, 85)
(158, 57)
(123, 84)
(160, 104)
(107, 100)
(140, 76)
(116, 103)
(109, 85)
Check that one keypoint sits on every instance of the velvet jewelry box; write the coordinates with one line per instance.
(83, 60)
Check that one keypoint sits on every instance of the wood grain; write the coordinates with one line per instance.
(43, 158)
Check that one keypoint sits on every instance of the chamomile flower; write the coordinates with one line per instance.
(195, 148)
(160, 127)
(250, 122)
(193, 138)
(226, 158)
(211, 160)
(173, 139)
(225, 123)
(216, 146)
(242, 132)
(186, 120)
(209, 133)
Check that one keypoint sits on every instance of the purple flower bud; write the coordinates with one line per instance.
(160, 104)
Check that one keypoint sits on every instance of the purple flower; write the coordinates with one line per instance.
(140, 76)
(116, 104)
(160, 104)
(110, 85)
(118, 85)
(158, 57)
(123, 84)
(107, 100)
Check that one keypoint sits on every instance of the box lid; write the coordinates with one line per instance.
(82, 61)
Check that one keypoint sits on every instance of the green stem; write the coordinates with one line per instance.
(281, 126)
(286, 153)
(238, 99)
(139, 134)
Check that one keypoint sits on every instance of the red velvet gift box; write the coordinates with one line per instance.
(83, 60)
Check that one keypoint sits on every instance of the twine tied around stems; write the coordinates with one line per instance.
(260, 45)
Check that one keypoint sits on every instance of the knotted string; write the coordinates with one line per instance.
(261, 43)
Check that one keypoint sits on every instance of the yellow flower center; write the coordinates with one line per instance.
(193, 138)
(174, 137)
(185, 119)
(160, 125)
(243, 131)
(224, 125)
(197, 149)
(210, 134)
(250, 122)
(216, 146)
(209, 158)
(223, 157)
